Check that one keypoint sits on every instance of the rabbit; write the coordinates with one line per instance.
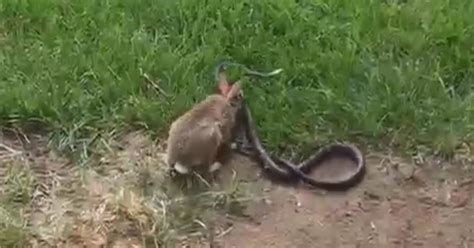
(196, 138)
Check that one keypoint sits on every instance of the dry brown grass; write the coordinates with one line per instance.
(122, 197)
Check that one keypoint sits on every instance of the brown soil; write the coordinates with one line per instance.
(398, 204)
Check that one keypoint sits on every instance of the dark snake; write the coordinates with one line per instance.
(249, 144)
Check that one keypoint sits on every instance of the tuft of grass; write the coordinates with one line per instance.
(400, 72)
(18, 183)
(13, 232)
(14, 198)
(11, 236)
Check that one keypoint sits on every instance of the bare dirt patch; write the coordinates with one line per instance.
(123, 198)
(398, 204)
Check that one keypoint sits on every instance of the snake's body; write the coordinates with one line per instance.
(250, 144)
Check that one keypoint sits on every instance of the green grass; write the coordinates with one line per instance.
(388, 72)
(384, 71)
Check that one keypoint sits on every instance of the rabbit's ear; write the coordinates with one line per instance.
(234, 91)
(224, 86)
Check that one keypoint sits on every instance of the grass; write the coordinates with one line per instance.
(14, 197)
(397, 73)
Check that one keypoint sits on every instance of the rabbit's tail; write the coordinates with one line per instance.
(181, 168)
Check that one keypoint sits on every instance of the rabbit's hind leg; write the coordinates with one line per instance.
(177, 169)
(213, 170)
(215, 166)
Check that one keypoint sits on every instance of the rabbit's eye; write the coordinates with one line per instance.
(236, 101)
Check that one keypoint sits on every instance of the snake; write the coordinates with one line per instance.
(249, 143)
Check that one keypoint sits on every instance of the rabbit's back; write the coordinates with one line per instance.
(194, 146)
(210, 108)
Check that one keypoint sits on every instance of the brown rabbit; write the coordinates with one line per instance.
(197, 137)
